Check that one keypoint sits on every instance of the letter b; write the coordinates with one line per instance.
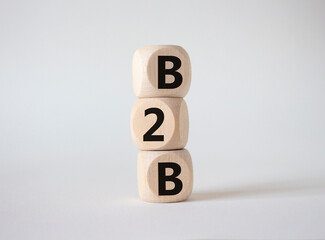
(162, 72)
(162, 178)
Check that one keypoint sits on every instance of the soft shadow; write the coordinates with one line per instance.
(259, 189)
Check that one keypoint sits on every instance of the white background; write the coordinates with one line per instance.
(256, 103)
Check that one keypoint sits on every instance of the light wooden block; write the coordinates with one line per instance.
(165, 176)
(161, 71)
(159, 123)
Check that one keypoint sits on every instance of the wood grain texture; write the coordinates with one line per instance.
(174, 128)
(148, 175)
(145, 71)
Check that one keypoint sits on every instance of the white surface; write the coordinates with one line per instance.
(257, 136)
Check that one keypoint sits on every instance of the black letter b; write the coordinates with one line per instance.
(162, 178)
(162, 72)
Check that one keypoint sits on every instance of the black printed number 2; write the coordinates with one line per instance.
(160, 119)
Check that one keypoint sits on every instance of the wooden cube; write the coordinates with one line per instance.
(165, 176)
(159, 123)
(161, 71)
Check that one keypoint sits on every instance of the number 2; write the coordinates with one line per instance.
(160, 119)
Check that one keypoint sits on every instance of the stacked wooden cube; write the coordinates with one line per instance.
(160, 124)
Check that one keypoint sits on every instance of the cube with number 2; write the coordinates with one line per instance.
(160, 123)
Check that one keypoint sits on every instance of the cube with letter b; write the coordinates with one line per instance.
(165, 176)
(161, 71)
